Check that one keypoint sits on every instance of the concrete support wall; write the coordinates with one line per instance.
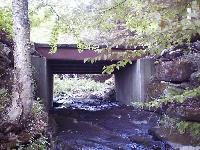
(131, 82)
(50, 88)
(40, 76)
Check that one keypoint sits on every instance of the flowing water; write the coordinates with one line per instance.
(95, 125)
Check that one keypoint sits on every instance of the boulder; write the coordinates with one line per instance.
(194, 58)
(157, 89)
(110, 81)
(147, 141)
(196, 46)
(170, 54)
(173, 137)
(190, 148)
(4, 38)
(110, 96)
(96, 95)
(6, 63)
(172, 90)
(195, 78)
(5, 57)
(188, 110)
(174, 71)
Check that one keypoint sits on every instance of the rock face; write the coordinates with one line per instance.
(6, 63)
(196, 46)
(188, 110)
(110, 96)
(172, 54)
(4, 38)
(195, 78)
(174, 138)
(174, 71)
(4, 57)
(157, 89)
(194, 58)
(178, 69)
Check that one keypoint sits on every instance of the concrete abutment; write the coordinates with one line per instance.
(132, 81)
(41, 79)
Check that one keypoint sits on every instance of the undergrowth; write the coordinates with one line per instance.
(77, 85)
(4, 99)
(39, 118)
(37, 128)
(34, 144)
(179, 98)
(6, 20)
(192, 128)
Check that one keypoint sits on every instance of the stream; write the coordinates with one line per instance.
(91, 124)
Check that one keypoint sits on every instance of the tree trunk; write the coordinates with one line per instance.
(23, 84)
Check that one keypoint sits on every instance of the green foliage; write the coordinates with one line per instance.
(199, 77)
(123, 57)
(180, 98)
(77, 85)
(38, 16)
(54, 38)
(193, 128)
(39, 118)
(39, 144)
(36, 127)
(6, 20)
(126, 60)
(110, 69)
(156, 25)
(172, 91)
(4, 99)
(38, 13)
(38, 107)
(35, 144)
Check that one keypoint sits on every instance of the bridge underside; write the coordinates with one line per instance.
(76, 67)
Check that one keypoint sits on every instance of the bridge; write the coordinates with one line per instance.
(131, 81)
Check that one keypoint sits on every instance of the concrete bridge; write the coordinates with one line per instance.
(131, 82)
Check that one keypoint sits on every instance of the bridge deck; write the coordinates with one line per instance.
(70, 52)
(68, 59)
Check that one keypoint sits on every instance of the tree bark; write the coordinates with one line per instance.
(22, 97)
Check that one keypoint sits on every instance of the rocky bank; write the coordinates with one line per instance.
(178, 73)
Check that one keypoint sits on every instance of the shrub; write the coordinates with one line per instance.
(4, 99)
(193, 128)
(179, 98)
(6, 20)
